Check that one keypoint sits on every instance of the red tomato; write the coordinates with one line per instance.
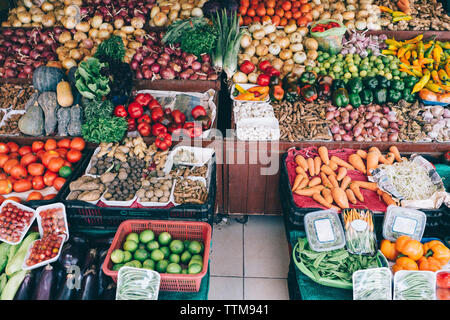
(73, 155)
(443, 280)
(67, 164)
(24, 150)
(35, 196)
(50, 144)
(50, 196)
(22, 185)
(3, 159)
(37, 146)
(4, 149)
(64, 143)
(55, 164)
(40, 154)
(18, 172)
(13, 147)
(58, 183)
(48, 155)
(77, 144)
(28, 158)
(3, 176)
(62, 152)
(38, 183)
(49, 177)
(36, 169)
(9, 165)
(5, 186)
(14, 155)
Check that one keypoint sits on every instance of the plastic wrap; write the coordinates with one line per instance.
(372, 284)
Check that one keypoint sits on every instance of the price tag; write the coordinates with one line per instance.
(404, 225)
(324, 230)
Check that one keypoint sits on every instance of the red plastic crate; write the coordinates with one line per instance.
(183, 230)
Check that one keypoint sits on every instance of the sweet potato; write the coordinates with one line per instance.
(323, 153)
(341, 173)
(356, 161)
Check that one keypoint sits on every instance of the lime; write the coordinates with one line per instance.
(146, 236)
(132, 236)
(65, 171)
(141, 246)
(116, 267)
(127, 256)
(164, 238)
(195, 247)
(176, 246)
(130, 245)
(175, 258)
(184, 271)
(117, 256)
(186, 257)
(157, 255)
(194, 268)
(149, 264)
(136, 263)
(197, 257)
(173, 268)
(161, 266)
(152, 245)
(130, 264)
(141, 255)
(165, 251)
(195, 261)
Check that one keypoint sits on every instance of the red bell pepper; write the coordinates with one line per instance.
(157, 114)
(158, 128)
(143, 99)
(272, 72)
(131, 124)
(153, 104)
(247, 67)
(163, 141)
(263, 65)
(198, 111)
(175, 129)
(263, 80)
(144, 118)
(145, 129)
(192, 130)
(135, 110)
(178, 117)
(120, 111)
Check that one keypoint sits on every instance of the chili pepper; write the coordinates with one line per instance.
(437, 54)
(143, 99)
(392, 48)
(422, 82)
(435, 76)
(414, 54)
(444, 45)
(414, 40)
(120, 111)
(156, 114)
(389, 52)
(430, 49)
(240, 89)
(258, 89)
(144, 129)
(407, 55)
(393, 42)
(386, 9)
(397, 13)
(248, 96)
(198, 111)
(401, 52)
(443, 75)
(163, 141)
(158, 129)
(135, 110)
(402, 18)
(144, 118)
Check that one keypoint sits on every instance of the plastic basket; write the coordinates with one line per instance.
(184, 230)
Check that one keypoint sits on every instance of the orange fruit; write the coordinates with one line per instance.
(287, 5)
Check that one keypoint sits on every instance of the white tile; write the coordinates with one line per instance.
(265, 289)
(266, 252)
(226, 288)
(227, 255)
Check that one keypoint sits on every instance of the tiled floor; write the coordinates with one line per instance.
(249, 261)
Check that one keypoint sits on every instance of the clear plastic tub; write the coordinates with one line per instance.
(324, 230)
(24, 229)
(414, 285)
(61, 228)
(137, 284)
(442, 288)
(43, 263)
(400, 221)
(372, 284)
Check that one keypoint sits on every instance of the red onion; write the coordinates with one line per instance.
(155, 67)
(196, 66)
(148, 74)
(205, 57)
(162, 62)
(167, 73)
(139, 75)
(205, 67)
(25, 50)
(10, 73)
(165, 56)
(148, 61)
(138, 57)
(134, 65)
(213, 76)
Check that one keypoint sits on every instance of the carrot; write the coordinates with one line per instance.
(321, 200)
(387, 198)
(300, 160)
(351, 196)
(374, 149)
(297, 181)
(314, 182)
(303, 184)
(309, 191)
(327, 170)
(342, 163)
(323, 153)
(333, 181)
(326, 193)
(345, 182)
(325, 181)
(317, 163)
(340, 197)
(382, 159)
(300, 170)
(362, 154)
(341, 173)
(356, 161)
(333, 165)
(396, 153)
(355, 188)
(372, 161)
(311, 167)
(367, 185)
(390, 158)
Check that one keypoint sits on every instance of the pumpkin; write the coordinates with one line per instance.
(49, 105)
(64, 94)
(47, 78)
(32, 122)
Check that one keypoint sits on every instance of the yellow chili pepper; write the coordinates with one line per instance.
(434, 87)
(388, 52)
(385, 9)
(407, 55)
(422, 82)
(443, 75)
(259, 89)
(397, 13)
(425, 61)
(401, 52)
(248, 96)
(415, 40)
(414, 54)
(392, 48)
(402, 18)
(240, 89)
(393, 42)
(444, 45)
(420, 49)
(437, 53)
(446, 87)
(407, 71)
(435, 77)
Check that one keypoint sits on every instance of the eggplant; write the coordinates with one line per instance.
(103, 279)
(60, 276)
(72, 254)
(46, 284)
(64, 292)
(89, 260)
(109, 293)
(26, 288)
(89, 284)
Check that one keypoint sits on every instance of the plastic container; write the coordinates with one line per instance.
(414, 285)
(201, 157)
(150, 282)
(61, 216)
(400, 221)
(112, 203)
(43, 263)
(246, 86)
(330, 40)
(442, 293)
(372, 284)
(324, 230)
(24, 231)
(182, 230)
(359, 231)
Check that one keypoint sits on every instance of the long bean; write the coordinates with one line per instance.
(372, 284)
(414, 286)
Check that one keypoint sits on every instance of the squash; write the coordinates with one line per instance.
(32, 122)
(49, 104)
(63, 117)
(64, 94)
(74, 127)
(47, 78)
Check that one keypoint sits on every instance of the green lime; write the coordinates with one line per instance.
(166, 252)
(184, 271)
(146, 236)
(116, 267)
(127, 256)
(164, 238)
(186, 243)
(130, 264)
(130, 245)
(157, 255)
(65, 172)
(195, 247)
(141, 255)
(195, 261)
(132, 236)
(173, 268)
(186, 257)
(161, 266)
(136, 263)
(141, 246)
(197, 257)
(149, 264)
(176, 246)
(194, 268)
(117, 256)
(175, 258)
(152, 245)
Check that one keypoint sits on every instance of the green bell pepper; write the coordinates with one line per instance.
(410, 81)
(337, 84)
(408, 97)
(355, 85)
(366, 96)
(383, 82)
(340, 98)
(380, 96)
(308, 78)
(394, 96)
(370, 83)
(355, 100)
(397, 85)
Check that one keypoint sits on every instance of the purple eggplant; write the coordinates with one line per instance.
(46, 284)
(89, 260)
(109, 293)
(26, 288)
(103, 279)
(60, 276)
(67, 290)
(89, 285)
(72, 254)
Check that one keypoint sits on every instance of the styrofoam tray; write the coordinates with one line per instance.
(191, 178)
(159, 204)
(246, 86)
(88, 168)
(117, 203)
(52, 206)
(43, 263)
(25, 208)
(203, 155)
(24, 195)
(261, 107)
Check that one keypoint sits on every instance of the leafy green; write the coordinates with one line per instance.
(94, 108)
(99, 130)
(90, 79)
(111, 50)
(178, 28)
(199, 40)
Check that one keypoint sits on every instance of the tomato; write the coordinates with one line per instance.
(270, 11)
(55, 164)
(251, 12)
(37, 146)
(50, 196)
(261, 10)
(48, 155)
(18, 172)
(5, 186)
(271, 3)
(443, 279)
(49, 177)
(28, 158)
(58, 183)
(38, 183)
(3, 176)
(64, 143)
(13, 147)
(40, 154)
(3, 159)
(276, 20)
(36, 169)
(22, 185)
(77, 144)
(62, 152)
(16, 199)
(4, 149)
(35, 196)
(50, 144)
(14, 155)
(9, 165)
(24, 150)
(73, 155)
(247, 20)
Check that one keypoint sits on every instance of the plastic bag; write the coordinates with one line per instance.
(359, 231)
(331, 39)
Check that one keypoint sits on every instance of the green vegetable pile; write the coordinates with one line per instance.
(91, 80)
(111, 50)
(96, 109)
(99, 130)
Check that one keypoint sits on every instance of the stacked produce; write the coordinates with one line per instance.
(165, 12)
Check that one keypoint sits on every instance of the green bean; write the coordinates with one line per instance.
(372, 285)
(414, 286)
